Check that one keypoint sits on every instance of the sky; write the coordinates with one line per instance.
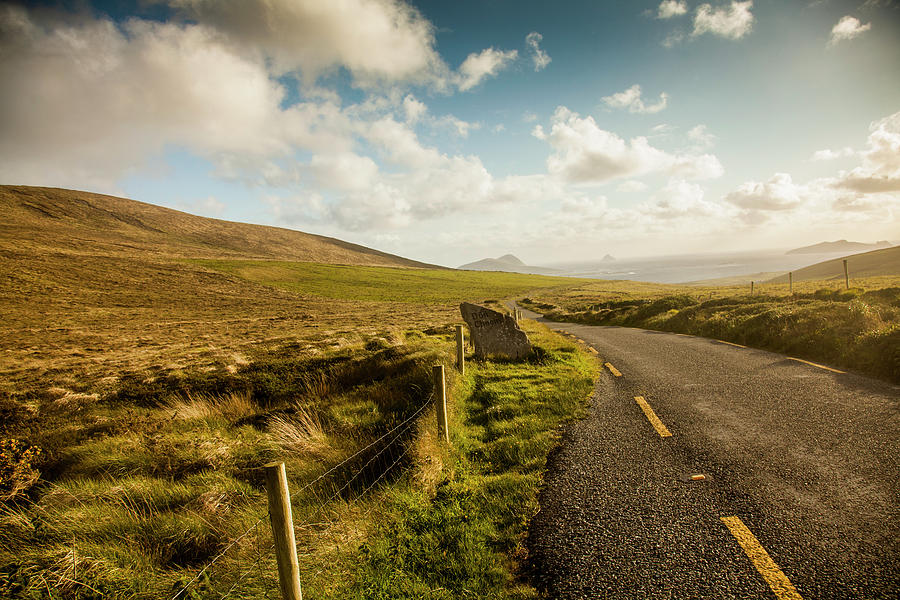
(448, 132)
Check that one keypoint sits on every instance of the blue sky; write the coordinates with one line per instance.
(453, 131)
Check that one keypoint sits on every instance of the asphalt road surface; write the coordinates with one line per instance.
(800, 490)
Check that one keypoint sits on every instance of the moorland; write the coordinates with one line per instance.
(152, 361)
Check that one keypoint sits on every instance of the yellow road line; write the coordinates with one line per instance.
(593, 350)
(816, 365)
(613, 370)
(777, 580)
(651, 416)
(730, 343)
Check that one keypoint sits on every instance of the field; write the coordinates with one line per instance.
(146, 393)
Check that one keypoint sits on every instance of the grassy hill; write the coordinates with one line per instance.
(52, 219)
(839, 246)
(93, 285)
(868, 264)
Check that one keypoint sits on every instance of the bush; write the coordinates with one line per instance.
(17, 472)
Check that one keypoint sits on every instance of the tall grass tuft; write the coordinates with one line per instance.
(196, 406)
(301, 433)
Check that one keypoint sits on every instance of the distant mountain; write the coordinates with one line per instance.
(507, 263)
(608, 258)
(868, 264)
(509, 259)
(839, 246)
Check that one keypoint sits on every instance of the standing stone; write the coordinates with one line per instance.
(494, 333)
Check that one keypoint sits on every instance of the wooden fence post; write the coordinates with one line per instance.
(283, 531)
(440, 402)
(791, 282)
(846, 275)
(460, 350)
(751, 288)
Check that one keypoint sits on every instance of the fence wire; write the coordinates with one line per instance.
(397, 432)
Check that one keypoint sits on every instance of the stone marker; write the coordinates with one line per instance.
(493, 332)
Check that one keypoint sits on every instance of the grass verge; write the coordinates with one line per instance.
(858, 329)
(465, 539)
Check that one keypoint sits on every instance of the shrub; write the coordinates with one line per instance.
(17, 472)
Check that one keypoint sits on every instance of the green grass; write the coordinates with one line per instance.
(150, 481)
(466, 539)
(383, 284)
(151, 484)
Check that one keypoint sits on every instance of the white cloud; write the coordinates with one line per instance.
(541, 59)
(828, 154)
(584, 153)
(870, 191)
(847, 29)
(631, 99)
(778, 193)
(456, 125)
(732, 22)
(378, 208)
(399, 144)
(671, 8)
(376, 40)
(95, 102)
(680, 199)
(413, 109)
(345, 171)
(701, 138)
(415, 112)
(482, 65)
(631, 186)
(674, 38)
(879, 171)
(693, 166)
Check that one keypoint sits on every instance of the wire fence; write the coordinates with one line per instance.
(388, 441)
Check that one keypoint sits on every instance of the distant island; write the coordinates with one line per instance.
(507, 263)
(840, 246)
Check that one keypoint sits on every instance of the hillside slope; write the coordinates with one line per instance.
(839, 246)
(52, 219)
(868, 264)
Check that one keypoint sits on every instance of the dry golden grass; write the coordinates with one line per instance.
(231, 406)
(75, 222)
(93, 286)
(301, 433)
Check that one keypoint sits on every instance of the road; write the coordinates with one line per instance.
(800, 489)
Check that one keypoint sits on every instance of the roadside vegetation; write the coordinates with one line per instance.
(136, 412)
(145, 484)
(856, 328)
